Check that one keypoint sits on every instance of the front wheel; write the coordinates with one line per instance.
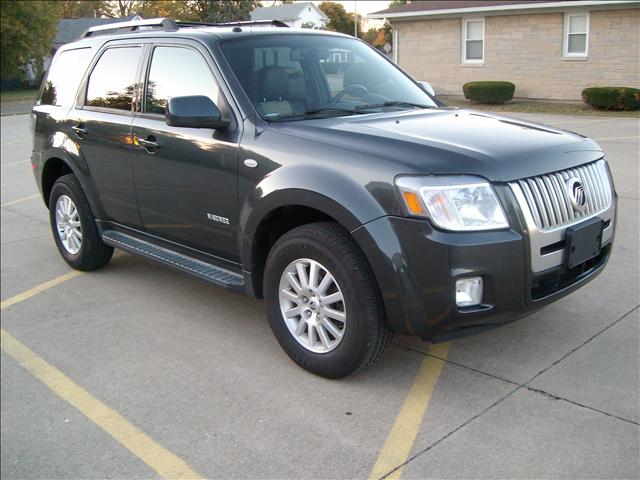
(322, 301)
(74, 228)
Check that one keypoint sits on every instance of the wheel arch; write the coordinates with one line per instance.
(272, 225)
(54, 168)
(58, 164)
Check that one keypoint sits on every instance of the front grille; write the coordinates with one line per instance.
(548, 197)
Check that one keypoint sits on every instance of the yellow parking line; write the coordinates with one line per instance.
(596, 119)
(14, 163)
(167, 464)
(399, 443)
(19, 200)
(38, 289)
(634, 137)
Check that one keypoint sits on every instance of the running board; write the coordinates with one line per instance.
(197, 268)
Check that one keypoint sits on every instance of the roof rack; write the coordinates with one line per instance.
(241, 23)
(165, 24)
(168, 25)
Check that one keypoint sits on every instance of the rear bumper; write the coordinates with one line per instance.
(417, 266)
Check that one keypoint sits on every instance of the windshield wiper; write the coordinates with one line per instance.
(393, 103)
(286, 116)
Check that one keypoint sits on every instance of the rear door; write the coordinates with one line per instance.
(100, 124)
(186, 184)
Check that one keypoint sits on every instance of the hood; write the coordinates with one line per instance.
(448, 141)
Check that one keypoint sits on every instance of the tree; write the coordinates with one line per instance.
(370, 35)
(83, 8)
(339, 19)
(213, 11)
(176, 9)
(27, 30)
(395, 3)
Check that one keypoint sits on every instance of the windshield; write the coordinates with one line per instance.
(295, 77)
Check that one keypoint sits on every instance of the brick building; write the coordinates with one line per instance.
(549, 49)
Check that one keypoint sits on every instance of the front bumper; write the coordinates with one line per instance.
(416, 267)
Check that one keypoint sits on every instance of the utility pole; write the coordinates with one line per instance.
(355, 17)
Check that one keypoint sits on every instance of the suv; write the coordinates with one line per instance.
(305, 168)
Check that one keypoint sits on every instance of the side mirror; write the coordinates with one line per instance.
(195, 111)
(426, 86)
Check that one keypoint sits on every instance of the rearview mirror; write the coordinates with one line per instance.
(426, 86)
(195, 111)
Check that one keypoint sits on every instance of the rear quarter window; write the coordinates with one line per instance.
(63, 78)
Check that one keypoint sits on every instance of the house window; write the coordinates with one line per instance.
(576, 34)
(473, 41)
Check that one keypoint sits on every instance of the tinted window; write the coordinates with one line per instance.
(113, 79)
(64, 77)
(178, 72)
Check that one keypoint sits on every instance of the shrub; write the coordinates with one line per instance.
(489, 92)
(612, 98)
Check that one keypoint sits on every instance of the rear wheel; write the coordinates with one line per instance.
(74, 228)
(322, 302)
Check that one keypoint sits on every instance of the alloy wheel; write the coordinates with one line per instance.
(312, 305)
(68, 224)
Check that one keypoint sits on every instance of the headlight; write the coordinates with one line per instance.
(453, 203)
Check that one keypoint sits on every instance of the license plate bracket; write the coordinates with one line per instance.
(583, 242)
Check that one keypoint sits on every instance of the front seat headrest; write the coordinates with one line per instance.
(273, 83)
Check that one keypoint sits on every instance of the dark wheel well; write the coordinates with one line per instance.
(53, 169)
(272, 227)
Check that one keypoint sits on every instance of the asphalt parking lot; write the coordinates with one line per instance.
(138, 371)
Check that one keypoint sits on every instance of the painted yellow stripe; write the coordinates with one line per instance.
(19, 200)
(38, 289)
(399, 443)
(593, 119)
(14, 163)
(167, 464)
(634, 137)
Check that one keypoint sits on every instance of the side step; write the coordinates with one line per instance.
(198, 268)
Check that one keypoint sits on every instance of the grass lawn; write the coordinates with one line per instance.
(528, 106)
(15, 95)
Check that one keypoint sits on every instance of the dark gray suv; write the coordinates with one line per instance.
(305, 168)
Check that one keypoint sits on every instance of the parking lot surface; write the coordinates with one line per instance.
(138, 371)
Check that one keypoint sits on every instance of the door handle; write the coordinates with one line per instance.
(80, 130)
(149, 143)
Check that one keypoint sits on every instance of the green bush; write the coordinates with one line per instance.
(489, 92)
(612, 98)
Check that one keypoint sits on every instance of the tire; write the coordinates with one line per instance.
(355, 343)
(90, 253)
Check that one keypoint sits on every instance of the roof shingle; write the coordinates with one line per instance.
(69, 29)
(425, 6)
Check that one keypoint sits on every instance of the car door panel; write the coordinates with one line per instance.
(101, 127)
(186, 178)
(185, 183)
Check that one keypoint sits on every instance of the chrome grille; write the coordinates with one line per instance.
(549, 201)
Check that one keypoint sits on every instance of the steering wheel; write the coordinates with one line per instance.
(350, 89)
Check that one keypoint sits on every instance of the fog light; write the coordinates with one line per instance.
(469, 291)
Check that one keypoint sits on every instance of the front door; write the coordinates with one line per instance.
(186, 178)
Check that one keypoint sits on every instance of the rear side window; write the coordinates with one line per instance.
(178, 72)
(64, 76)
(113, 79)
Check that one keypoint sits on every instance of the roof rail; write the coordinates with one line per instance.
(168, 25)
(165, 24)
(241, 23)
